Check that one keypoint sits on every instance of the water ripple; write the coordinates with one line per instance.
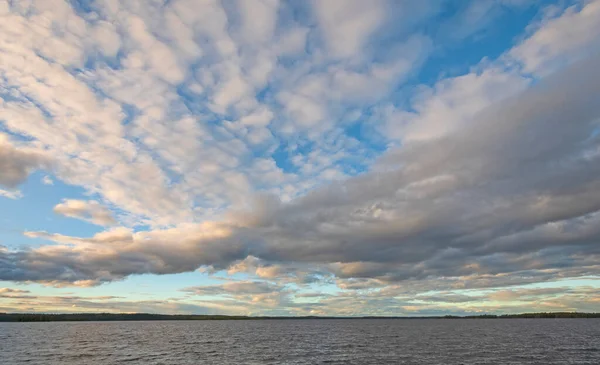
(297, 342)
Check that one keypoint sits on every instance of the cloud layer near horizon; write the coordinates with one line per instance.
(218, 135)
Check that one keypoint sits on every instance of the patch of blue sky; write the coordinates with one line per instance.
(34, 212)
(95, 60)
(15, 136)
(83, 7)
(450, 59)
(134, 288)
(364, 131)
(595, 133)
(130, 111)
(359, 159)
(148, 287)
(323, 288)
(194, 102)
(281, 156)
(592, 281)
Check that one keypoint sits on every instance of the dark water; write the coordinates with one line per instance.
(378, 341)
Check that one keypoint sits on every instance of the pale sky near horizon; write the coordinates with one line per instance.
(267, 157)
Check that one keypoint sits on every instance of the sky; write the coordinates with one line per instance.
(270, 157)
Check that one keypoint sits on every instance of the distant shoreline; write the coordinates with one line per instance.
(100, 317)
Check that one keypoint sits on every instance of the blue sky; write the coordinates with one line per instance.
(289, 158)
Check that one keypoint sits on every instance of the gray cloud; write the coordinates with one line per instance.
(522, 166)
(235, 288)
(448, 298)
(116, 254)
(17, 163)
(9, 293)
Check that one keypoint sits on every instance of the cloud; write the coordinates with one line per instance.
(440, 110)
(105, 304)
(490, 178)
(17, 163)
(255, 296)
(47, 180)
(310, 303)
(117, 253)
(11, 194)
(234, 288)
(159, 111)
(476, 17)
(230, 144)
(13, 291)
(347, 25)
(530, 293)
(12, 294)
(451, 210)
(561, 39)
(448, 298)
(89, 210)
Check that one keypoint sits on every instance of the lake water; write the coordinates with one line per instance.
(347, 341)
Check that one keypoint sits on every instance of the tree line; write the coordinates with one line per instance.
(76, 317)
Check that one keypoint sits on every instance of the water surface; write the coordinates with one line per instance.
(347, 341)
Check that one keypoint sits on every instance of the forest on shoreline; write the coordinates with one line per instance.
(79, 317)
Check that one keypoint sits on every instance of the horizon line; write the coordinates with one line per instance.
(88, 317)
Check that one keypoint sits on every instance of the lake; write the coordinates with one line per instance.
(305, 341)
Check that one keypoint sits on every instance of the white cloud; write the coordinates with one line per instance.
(561, 40)
(15, 194)
(347, 25)
(89, 210)
(13, 291)
(258, 20)
(47, 180)
(107, 38)
(453, 103)
(122, 130)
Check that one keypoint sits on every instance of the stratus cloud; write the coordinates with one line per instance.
(110, 304)
(89, 210)
(16, 163)
(344, 303)
(13, 291)
(14, 294)
(255, 296)
(117, 253)
(234, 288)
